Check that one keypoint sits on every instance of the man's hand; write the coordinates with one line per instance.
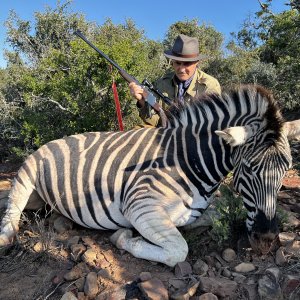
(138, 93)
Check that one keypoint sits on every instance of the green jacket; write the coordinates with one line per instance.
(201, 83)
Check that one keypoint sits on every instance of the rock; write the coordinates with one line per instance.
(109, 256)
(88, 241)
(68, 296)
(154, 289)
(90, 257)
(183, 269)
(244, 268)
(62, 224)
(74, 274)
(116, 294)
(296, 208)
(200, 267)
(219, 286)
(239, 278)
(286, 237)
(294, 248)
(103, 273)
(38, 247)
(144, 276)
(274, 273)
(208, 296)
(226, 273)
(187, 292)
(77, 250)
(81, 296)
(78, 271)
(80, 284)
(177, 283)
(269, 289)
(292, 222)
(290, 284)
(91, 287)
(251, 291)
(280, 258)
(229, 255)
(73, 241)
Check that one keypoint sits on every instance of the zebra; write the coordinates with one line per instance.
(155, 180)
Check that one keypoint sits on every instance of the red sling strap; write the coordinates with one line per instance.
(117, 103)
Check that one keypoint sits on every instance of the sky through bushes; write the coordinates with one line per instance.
(154, 17)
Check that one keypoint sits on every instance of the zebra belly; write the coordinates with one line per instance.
(89, 211)
(186, 210)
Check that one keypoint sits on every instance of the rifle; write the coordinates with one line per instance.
(151, 99)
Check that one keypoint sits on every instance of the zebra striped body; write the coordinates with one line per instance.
(161, 178)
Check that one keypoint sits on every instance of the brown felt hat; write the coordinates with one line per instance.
(185, 48)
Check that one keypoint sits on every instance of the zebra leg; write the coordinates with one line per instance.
(18, 199)
(166, 244)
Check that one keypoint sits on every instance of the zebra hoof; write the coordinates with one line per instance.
(120, 237)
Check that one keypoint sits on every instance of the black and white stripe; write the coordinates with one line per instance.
(147, 177)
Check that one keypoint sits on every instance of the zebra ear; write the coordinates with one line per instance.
(234, 136)
(292, 129)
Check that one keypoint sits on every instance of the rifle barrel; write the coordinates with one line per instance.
(122, 72)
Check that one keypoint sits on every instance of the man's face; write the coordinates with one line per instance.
(184, 69)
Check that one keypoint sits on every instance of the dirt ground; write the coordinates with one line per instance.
(30, 272)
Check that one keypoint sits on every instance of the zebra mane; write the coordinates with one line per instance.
(254, 97)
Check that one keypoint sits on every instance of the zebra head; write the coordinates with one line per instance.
(261, 158)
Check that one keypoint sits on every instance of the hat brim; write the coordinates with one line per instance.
(170, 54)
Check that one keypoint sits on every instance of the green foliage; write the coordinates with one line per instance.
(276, 39)
(232, 216)
(56, 85)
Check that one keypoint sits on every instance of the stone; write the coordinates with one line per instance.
(269, 289)
(222, 287)
(177, 283)
(251, 291)
(296, 208)
(91, 287)
(68, 296)
(90, 257)
(81, 296)
(200, 267)
(208, 296)
(290, 284)
(79, 283)
(239, 278)
(226, 273)
(280, 258)
(62, 224)
(274, 273)
(183, 269)
(188, 291)
(76, 251)
(286, 237)
(103, 273)
(229, 255)
(38, 247)
(76, 272)
(154, 289)
(294, 248)
(73, 241)
(244, 268)
(144, 276)
(88, 241)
